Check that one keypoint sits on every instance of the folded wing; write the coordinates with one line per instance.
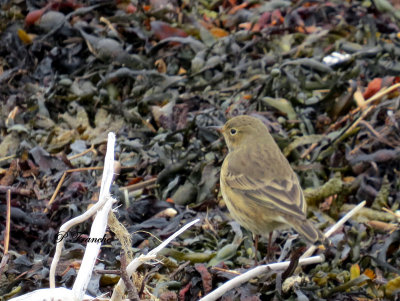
(284, 197)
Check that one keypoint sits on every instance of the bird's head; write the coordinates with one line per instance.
(241, 130)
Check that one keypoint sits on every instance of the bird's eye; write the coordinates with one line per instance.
(233, 132)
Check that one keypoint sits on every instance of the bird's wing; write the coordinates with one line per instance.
(284, 196)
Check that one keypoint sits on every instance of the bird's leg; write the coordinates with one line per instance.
(256, 237)
(269, 249)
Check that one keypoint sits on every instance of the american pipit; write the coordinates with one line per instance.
(258, 184)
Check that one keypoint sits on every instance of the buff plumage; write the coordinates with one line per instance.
(258, 184)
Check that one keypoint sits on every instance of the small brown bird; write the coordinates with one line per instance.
(258, 184)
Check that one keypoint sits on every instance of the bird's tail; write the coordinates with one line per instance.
(310, 232)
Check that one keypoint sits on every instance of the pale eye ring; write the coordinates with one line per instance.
(233, 131)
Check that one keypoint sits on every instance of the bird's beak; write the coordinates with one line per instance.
(217, 128)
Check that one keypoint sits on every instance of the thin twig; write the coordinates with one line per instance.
(53, 197)
(91, 149)
(7, 158)
(8, 223)
(6, 256)
(16, 190)
(359, 119)
(382, 93)
(140, 185)
(132, 291)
